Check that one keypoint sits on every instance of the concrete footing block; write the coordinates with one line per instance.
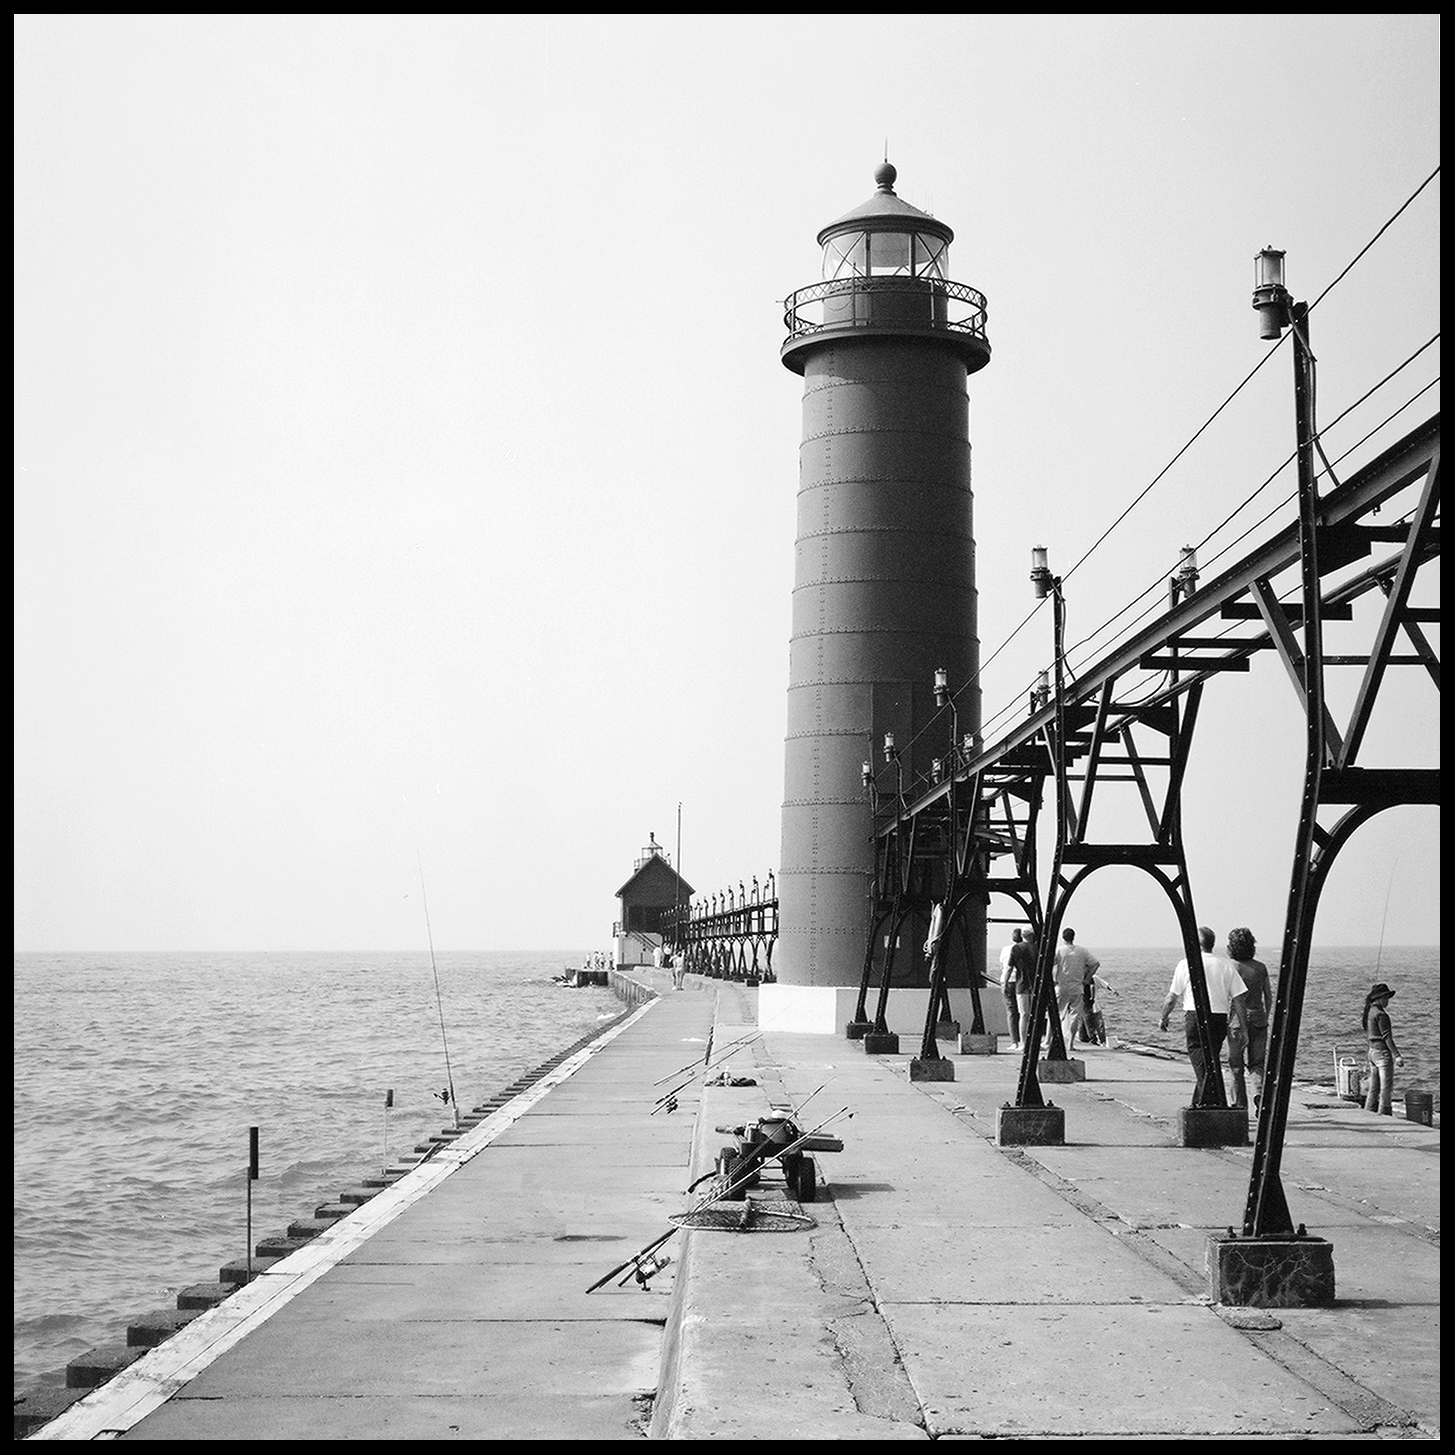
(331, 1212)
(857, 1030)
(204, 1295)
(1060, 1072)
(150, 1329)
(972, 1044)
(1283, 1272)
(941, 1068)
(237, 1274)
(358, 1195)
(947, 1030)
(1030, 1126)
(309, 1227)
(40, 1406)
(98, 1365)
(881, 1043)
(1212, 1126)
(278, 1245)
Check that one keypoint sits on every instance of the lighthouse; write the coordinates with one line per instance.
(884, 580)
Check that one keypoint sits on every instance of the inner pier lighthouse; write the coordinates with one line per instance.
(884, 588)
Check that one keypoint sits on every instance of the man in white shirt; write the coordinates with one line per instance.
(1226, 995)
(1075, 965)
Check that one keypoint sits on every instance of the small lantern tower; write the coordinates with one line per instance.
(884, 581)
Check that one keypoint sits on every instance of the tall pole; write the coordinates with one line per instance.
(1267, 1213)
(677, 890)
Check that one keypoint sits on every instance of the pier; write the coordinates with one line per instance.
(949, 1287)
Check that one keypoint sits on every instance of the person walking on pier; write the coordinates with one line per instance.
(1249, 1050)
(1008, 988)
(1075, 965)
(1226, 997)
(1383, 1053)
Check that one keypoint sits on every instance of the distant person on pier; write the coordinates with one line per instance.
(1250, 1050)
(1226, 997)
(1023, 954)
(1093, 1022)
(1383, 1053)
(1008, 988)
(1075, 965)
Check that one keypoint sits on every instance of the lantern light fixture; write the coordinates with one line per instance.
(1270, 298)
(1040, 572)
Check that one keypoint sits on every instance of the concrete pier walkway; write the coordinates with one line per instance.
(950, 1288)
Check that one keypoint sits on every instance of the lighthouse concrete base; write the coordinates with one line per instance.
(825, 1010)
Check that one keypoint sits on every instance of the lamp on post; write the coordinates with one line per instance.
(1185, 581)
(944, 698)
(1047, 584)
(1270, 298)
(1267, 1214)
(891, 755)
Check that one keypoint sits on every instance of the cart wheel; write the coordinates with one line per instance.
(728, 1166)
(804, 1181)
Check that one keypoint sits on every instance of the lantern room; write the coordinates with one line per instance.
(886, 237)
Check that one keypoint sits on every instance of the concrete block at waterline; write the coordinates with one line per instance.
(204, 1295)
(1060, 1072)
(40, 1406)
(1212, 1126)
(941, 1068)
(241, 1270)
(881, 1043)
(306, 1228)
(1030, 1126)
(148, 1330)
(331, 1212)
(1270, 1272)
(358, 1195)
(973, 1044)
(278, 1245)
(98, 1365)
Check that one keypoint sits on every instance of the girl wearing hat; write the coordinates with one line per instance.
(1383, 1054)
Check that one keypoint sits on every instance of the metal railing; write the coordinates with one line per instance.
(885, 302)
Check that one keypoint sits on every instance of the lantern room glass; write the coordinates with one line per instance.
(885, 254)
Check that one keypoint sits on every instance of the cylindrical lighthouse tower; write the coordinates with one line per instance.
(884, 584)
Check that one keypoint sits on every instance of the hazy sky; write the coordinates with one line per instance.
(405, 469)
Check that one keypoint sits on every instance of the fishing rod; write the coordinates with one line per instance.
(636, 1260)
(438, 998)
(1388, 890)
(668, 1099)
(733, 1046)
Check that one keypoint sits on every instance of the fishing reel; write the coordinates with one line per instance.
(645, 1267)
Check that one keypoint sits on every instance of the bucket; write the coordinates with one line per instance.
(1349, 1078)
(1419, 1106)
